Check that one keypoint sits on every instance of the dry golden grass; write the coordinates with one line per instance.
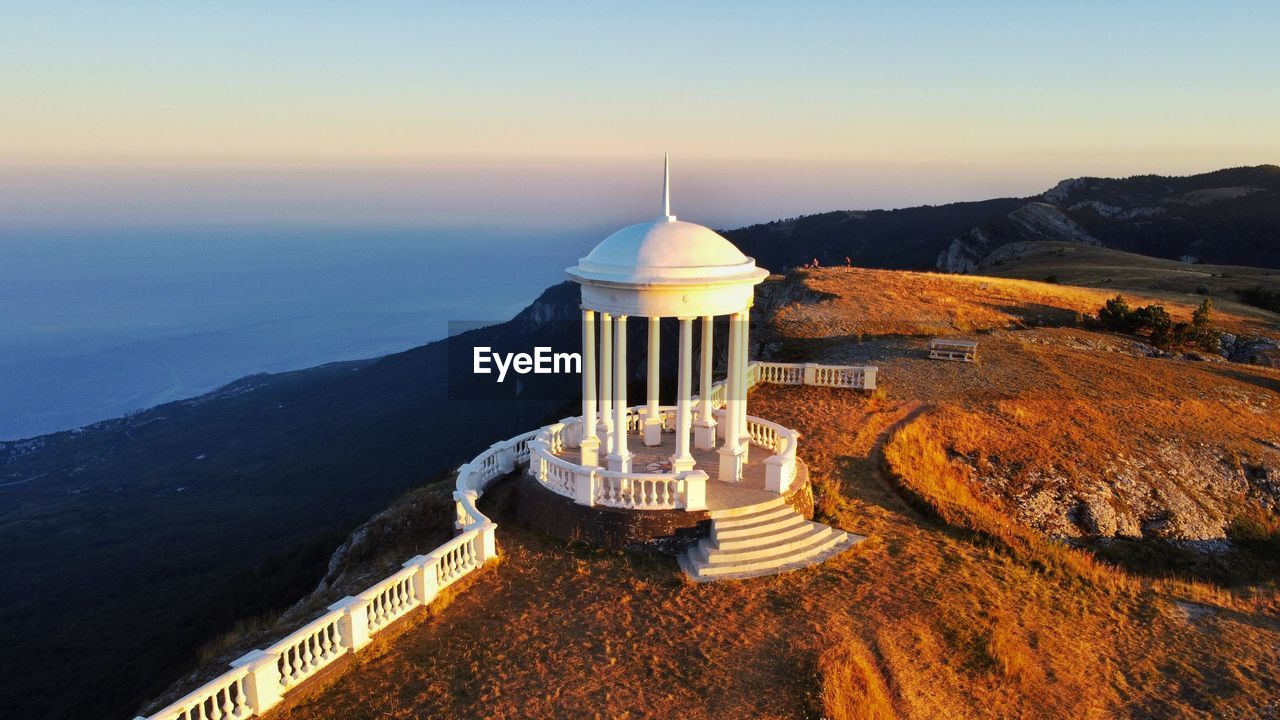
(982, 619)
(950, 609)
(852, 687)
(1099, 267)
(856, 302)
(1050, 403)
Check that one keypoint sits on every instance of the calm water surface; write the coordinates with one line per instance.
(94, 324)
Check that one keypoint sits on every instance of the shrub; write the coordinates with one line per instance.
(1116, 314)
(1156, 323)
(1200, 318)
(1154, 319)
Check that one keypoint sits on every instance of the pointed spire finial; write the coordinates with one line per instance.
(666, 186)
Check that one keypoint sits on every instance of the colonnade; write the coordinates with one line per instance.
(604, 394)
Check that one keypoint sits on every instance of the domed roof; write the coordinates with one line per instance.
(665, 243)
(666, 250)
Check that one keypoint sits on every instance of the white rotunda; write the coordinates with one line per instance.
(703, 478)
(656, 269)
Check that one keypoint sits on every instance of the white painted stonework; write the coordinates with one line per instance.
(260, 679)
(664, 268)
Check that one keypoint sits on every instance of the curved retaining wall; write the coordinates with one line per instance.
(560, 517)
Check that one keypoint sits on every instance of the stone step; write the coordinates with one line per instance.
(799, 558)
(706, 567)
(756, 520)
(769, 547)
(749, 535)
(738, 512)
(687, 565)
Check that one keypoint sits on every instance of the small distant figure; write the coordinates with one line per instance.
(815, 263)
(847, 261)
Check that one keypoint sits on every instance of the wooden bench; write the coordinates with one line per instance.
(957, 350)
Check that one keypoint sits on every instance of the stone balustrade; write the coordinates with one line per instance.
(226, 696)
(260, 679)
(307, 650)
(861, 377)
(779, 468)
(593, 486)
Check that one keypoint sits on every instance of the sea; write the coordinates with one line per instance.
(95, 324)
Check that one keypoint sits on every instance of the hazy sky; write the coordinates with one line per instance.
(552, 114)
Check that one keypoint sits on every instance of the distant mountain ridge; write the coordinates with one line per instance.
(1229, 216)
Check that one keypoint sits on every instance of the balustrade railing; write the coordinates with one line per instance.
(861, 377)
(222, 697)
(639, 491)
(779, 373)
(593, 486)
(259, 680)
(304, 652)
(779, 468)
(390, 599)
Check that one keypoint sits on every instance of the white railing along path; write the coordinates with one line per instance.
(260, 679)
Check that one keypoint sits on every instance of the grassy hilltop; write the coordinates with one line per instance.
(984, 590)
(196, 517)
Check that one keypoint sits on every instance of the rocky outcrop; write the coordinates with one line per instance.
(1168, 492)
(1046, 222)
(1033, 222)
(1251, 350)
(965, 253)
(1117, 212)
(1062, 191)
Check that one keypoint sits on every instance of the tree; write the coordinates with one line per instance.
(1155, 322)
(1200, 318)
(1116, 314)
(1156, 319)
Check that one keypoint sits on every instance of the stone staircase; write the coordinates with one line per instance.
(763, 539)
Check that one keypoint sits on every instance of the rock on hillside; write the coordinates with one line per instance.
(1078, 433)
(1225, 217)
(1035, 221)
(1228, 216)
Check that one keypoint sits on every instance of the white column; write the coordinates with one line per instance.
(590, 442)
(744, 359)
(704, 430)
(620, 454)
(652, 418)
(682, 460)
(606, 380)
(731, 452)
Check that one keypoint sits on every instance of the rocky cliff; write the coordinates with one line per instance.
(1229, 216)
(1224, 217)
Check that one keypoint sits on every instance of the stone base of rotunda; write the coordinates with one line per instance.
(665, 531)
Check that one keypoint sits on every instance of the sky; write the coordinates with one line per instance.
(556, 114)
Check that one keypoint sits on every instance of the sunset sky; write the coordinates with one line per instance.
(557, 114)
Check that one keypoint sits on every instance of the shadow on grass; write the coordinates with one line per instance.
(1244, 562)
(1262, 381)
